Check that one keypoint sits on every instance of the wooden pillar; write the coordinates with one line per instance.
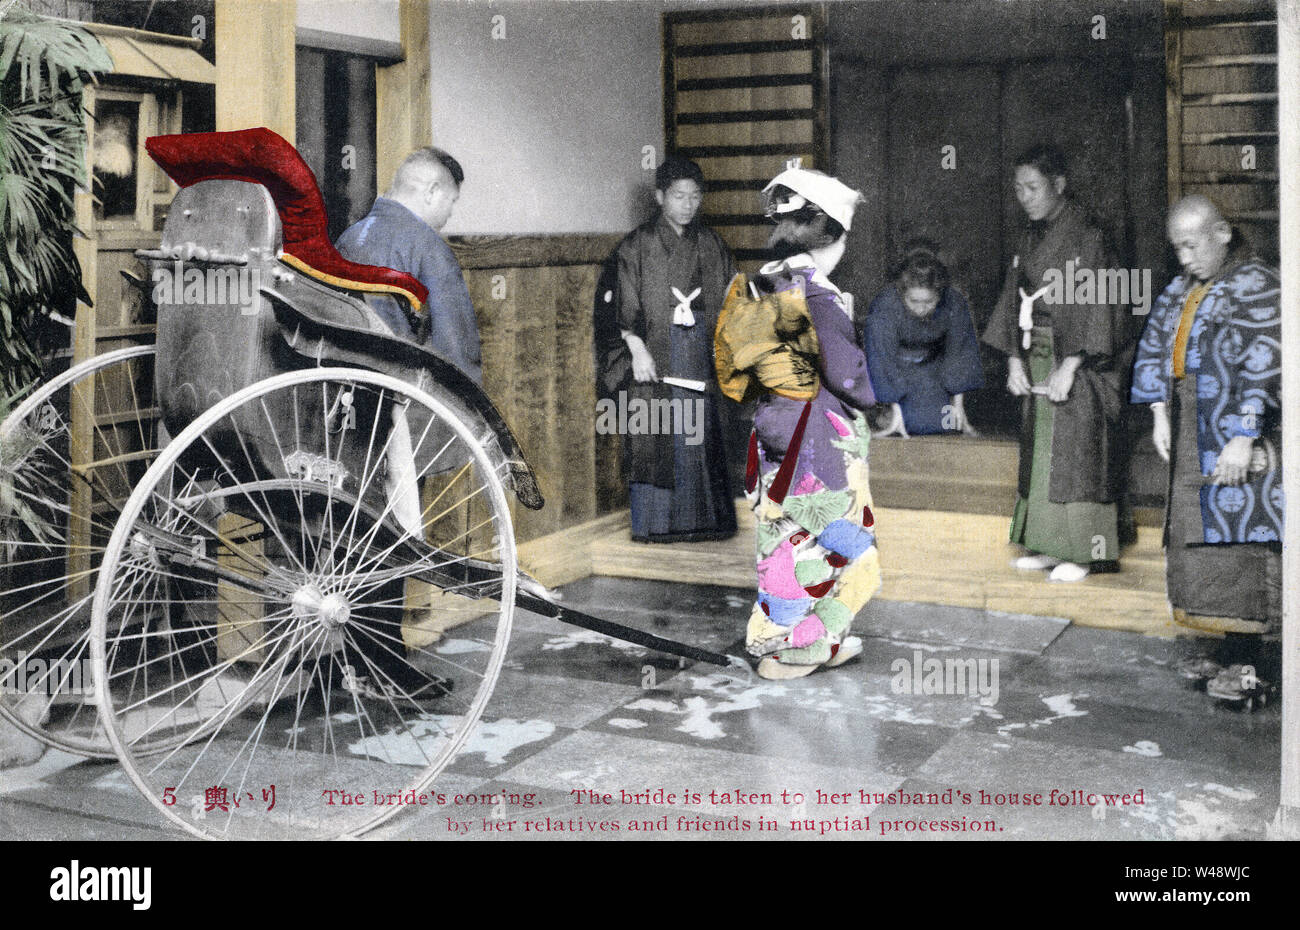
(81, 445)
(256, 86)
(255, 65)
(404, 121)
(404, 105)
(1288, 60)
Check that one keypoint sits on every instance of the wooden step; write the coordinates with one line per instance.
(956, 473)
(927, 556)
(974, 458)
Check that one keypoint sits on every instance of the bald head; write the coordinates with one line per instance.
(428, 184)
(1195, 208)
(1200, 236)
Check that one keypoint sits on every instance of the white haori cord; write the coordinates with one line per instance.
(1027, 311)
(682, 314)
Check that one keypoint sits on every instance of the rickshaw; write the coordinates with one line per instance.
(204, 539)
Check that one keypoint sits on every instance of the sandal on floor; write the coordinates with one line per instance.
(1239, 685)
(1068, 572)
(773, 669)
(1033, 563)
(1198, 667)
(850, 648)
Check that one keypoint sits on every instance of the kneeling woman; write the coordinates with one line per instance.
(921, 345)
(793, 345)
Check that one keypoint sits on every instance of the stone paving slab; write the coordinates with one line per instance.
(851, 689)
(778, 731)
(1184, 800)
(20, 819)
(1075, 708)
(1076, 718)
(700, 602)
(964, 627)
(1144, 686)
(1120, 649)
(574, 653)
(571, 702)
(612, 762)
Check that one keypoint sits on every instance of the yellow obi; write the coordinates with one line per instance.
(765, 343)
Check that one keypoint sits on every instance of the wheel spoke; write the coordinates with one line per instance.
(308, 608)
(81, 440)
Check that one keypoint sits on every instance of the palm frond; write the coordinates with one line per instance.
(44, 66)
(47, 52)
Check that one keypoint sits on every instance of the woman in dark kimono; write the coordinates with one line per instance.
(793, 346)
(1064, 357)
(921, 345)
(672, 275)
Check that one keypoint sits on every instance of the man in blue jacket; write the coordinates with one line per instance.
(1210, 366)
(401, 232)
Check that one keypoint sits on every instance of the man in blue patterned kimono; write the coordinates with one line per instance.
(1210, 366)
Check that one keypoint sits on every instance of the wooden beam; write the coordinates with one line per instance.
(403, 102)
(255, 65)
(1230, 177)
(1223, 100)
(708, 117)
(533, 251)
(745, 82)
(1228, 61)
(1265, 136)
(383, 51)
(712, 49)
(730, 151)
(1173, 99)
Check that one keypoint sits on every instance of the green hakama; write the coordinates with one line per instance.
(1079, 531)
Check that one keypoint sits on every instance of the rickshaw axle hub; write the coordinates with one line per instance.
(333, 610)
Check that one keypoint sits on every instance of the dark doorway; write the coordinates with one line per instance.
(336, 130)
(926, 124)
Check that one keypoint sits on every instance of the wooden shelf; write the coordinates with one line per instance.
(133, 331)
(1253, 216)
(1223, 100)
(1230, 177)
(1221, 138)
(112, 419)
(1228, 61)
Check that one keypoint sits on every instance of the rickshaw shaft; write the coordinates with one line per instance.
(179, 551)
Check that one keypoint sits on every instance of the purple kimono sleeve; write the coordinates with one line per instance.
(843, 363)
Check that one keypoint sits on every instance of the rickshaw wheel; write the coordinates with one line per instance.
(339, 662)
(70, 454)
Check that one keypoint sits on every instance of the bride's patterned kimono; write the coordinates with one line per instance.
(807, 476)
